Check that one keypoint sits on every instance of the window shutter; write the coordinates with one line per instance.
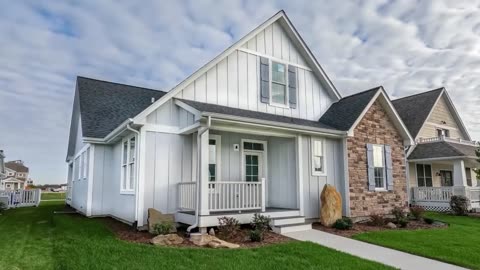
(264, 80)
(292, 86)
(389, 166)
(371, 168)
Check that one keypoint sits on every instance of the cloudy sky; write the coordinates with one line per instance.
(406, 46)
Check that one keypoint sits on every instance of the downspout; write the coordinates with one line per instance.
(199, 157)
(137, 163)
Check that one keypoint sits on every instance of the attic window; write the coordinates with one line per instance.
(279, 83)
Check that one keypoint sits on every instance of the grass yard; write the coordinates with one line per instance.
(53, 196)
(34, 238)
(458, 244)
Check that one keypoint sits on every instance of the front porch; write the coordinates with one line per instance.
(440, 168)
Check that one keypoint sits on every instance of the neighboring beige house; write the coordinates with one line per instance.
(441, 162)
(16, 175)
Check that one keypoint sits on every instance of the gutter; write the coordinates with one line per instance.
(137, 163)
(199, 178)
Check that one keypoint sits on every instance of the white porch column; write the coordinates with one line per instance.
(203, 184)
(459, 174)
(299, 153)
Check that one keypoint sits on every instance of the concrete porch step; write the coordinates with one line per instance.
(298, 227)
(287, 221)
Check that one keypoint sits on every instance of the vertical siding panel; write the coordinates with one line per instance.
(161, 173)
(175, 171)
(222, 82)
(301, 106)
(285, 46)
(317, 105)
(269, 40)
(252, 44)
(212, 86)
(293, 53)
(233, 80)
(243, 81)
(189, 92)
(187, 159)
(201, 88)
(261, 42)
(277, 41)
(253, 96)
(309, 94)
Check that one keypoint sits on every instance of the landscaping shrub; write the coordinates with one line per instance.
(3, 207)
(256, 236)
(344, 223)
(163, 228)
(417, 212)
(261, 222)
(428, 220)
(228, 227)
(459, 205)
(403, 222)
(377, 220)
(399, 214)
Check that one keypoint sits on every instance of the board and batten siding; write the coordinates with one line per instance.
(234, 81)
(441, 112)
(168, 162)
(170, 114)
(313, 185)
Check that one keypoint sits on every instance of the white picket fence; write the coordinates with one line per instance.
(21, 197)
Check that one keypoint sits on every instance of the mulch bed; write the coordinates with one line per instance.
(127, 233)
(365, 227)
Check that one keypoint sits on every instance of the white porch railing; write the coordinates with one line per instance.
(187, 195)
(22, 197)
(438, 198)
(446, 139)
(225, 196)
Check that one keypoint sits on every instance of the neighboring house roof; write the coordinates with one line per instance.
(414, 110)
(345, 112)
(105, 105)
(16, 166)
(224, 110)
(442, 149)
(13, 180)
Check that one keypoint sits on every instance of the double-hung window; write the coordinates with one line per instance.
(128, 165)
(379, 166)
(318, 157)
(214, 154)
(424, 175)
(279, 84)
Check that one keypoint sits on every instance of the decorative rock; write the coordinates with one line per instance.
(211, 232)
(199, 239)
(155, 217)
(167, 240)
(331, 206)
(391, 225)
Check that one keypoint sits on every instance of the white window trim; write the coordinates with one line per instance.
(384, 188)
(416, 173)
(312, 151)
(125, 176)
(242, 152)
(218, 152)
(287, 98)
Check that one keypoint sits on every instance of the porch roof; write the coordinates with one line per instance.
(224, 110)
(442, 149)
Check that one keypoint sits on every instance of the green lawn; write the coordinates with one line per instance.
(53, 195)
(458, 244)
(34, 238)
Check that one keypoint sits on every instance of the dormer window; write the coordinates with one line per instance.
(443, 132)
(279, 84)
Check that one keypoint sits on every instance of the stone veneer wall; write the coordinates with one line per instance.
(377, 128)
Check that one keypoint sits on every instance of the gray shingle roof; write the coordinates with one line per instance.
(415, 109)
(343, 113)
(105, 105)
(211, 108)
(442, 149)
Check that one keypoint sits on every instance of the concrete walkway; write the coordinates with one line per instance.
(371, 252)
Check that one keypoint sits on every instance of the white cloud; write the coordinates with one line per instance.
(407, 46)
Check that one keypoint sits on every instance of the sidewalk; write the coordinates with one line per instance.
(371, 252)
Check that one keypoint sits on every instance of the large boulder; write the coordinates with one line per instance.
(199, 239)
(167, 240)
(155, 217)
(331, 206)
